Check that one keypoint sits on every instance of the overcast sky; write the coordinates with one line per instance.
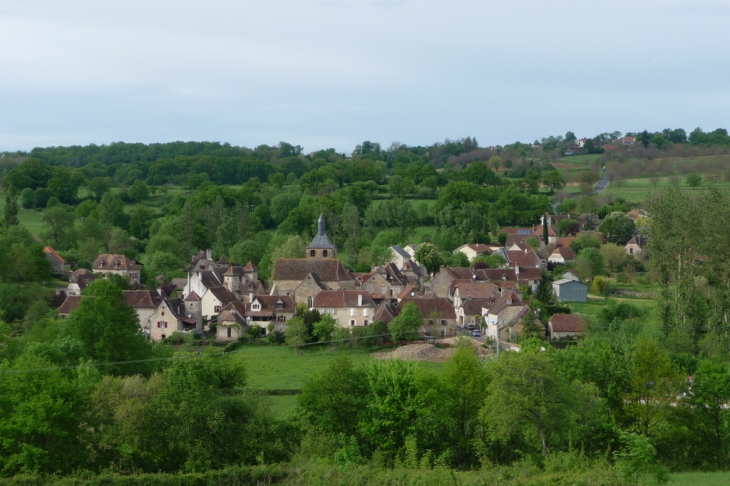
(332, 73)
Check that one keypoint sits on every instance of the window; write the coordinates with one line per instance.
(256, 306)
(311, 253)
(161, 324)
(352, 312)
(279, 305)
(281, 318)
(216, 308)
(352, 322)
(229, 332)
(162, 336)
(324, 253)
(163, 313)
(365, 322)
(365, 312)
(430, 323)
(443, 322)
(310, 302)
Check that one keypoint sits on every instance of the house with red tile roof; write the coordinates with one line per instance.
(439, 317)
(570, 326)
(56, 260)
(349, 308)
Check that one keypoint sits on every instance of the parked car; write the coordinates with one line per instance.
(470, 326)
(476, 333)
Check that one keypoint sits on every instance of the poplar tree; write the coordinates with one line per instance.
(11, 206)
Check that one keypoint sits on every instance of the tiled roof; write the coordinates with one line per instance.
(268, 305)
(399, 249)
(327, 269)
(524, 258)
(233, 271)
(436, 306)
(50, 251)
(142, 299)
(192, 297)
(70, 304)
(477, 290)
(473, 307)
(504, 301)
(568, 323)
(223, 295)
(394, 275)
(383, 313)
(564, 252)
(342, 298)
(250, 267)
(640, 241)
(461, 273)
(407, 290)
(114, 262)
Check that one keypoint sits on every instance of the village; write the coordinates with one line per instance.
(224, 299)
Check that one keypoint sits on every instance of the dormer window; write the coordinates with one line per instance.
(280, 305)
(255, 306)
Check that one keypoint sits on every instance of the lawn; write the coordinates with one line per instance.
(636, 190)
(28, 218)
(280, 368)
(700, 478)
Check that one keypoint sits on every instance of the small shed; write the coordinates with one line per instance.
(566, 326)
(570, 290)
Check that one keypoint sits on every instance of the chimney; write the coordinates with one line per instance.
(250, 297)
(209, 254)
(517, 270)
(359, 300)
(161, 292)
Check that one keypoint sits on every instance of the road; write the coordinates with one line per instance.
(603, 184)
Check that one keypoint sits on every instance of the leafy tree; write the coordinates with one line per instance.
(293, 247)
(65, 185)
(613, 255)
(27, 198)
(619, 227)
(594, 260)
(428, 255)
(11, 206)
(324, 327)
(139, 191)
(164, 263)
(380, 255)
(709, 396)
(693, 180)
(400, 186)
(567, 206)
(111, 210)
(139, 221)
(108, 330)
(533, 242)
(531, 327)
(405, 326)
(554, 180)
(297, 333)
(527, 392)
(544, 290)
(59, 224)
(98, 186)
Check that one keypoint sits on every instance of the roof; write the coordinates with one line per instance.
(407, 290)
(142, 299)
(432, 306)
(477, 247)
(639, 241)
(474, 306)
(524, 258)
(234, 271)
(509, 299)
(477, 290)
(538, 231)
(70, 304)
(83, 281)
(223, 261)
(459, 273)
(321, 240)
(342, 298)
(107, 261)
(192, 297)
(383, 313)
(250, 267)
(327, 269)
(394, 275)
(269, 305)
(399, 249)
(177, 308)
(564, 281)
(568, 323)
(223, 295)
(564, 252)
(48, 250)
(179, 282)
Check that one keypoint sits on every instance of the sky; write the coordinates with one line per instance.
(333, 73)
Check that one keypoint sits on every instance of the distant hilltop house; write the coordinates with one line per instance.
(635, 246)
(56, 260)
(119, 265)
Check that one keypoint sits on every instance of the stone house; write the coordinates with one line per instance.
(470, 310)
(523, 256)
(473, 250)
(465, 289)
(506, 311)
(441, 283)
(56, 260)
(170, 317)
(439, 317)
(400, 256)
(79, 280)
(414, 273)
(264, 310)
(145, 304)
(214, 300)
(562, 255)
(561, 326)
(635, 246)
(69, 305)
(385, 282)
(119, 265)
(349, 308)
(231, 322)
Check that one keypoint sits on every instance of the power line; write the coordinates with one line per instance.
(168, 358)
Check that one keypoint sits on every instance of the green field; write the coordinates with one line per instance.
(280, 368)
(700, 479)
(28, 218)
(637, 190)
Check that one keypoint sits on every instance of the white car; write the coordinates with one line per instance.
(476, 333)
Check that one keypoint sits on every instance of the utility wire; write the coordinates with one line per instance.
(168, 358)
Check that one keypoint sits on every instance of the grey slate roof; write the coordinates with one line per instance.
(321, 240)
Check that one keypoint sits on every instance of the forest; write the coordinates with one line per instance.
(642, 398)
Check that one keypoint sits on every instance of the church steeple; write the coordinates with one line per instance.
(321, 246)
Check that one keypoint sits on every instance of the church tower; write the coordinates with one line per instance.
(321, 246)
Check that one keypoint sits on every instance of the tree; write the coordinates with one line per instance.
(545, 234)
(428, 255)
(107, 330)
(324, 327)
(531, 326)
(297, 333)
(710, 393)
(139, 191)
(11, 206)
(59, 224)
(587, 204)
(553, 179)
(140, 220)
(654, 181)
(293, 247)
(528, 391)
(99, 186)
(27, 198)
(567, 206)
(400, 186)
(613, 255)
(544, 290)
(164, 263)
(590, 263)
(380, 255)
(693, 180)
(533, 242)
(407, 323)
(619, 227)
